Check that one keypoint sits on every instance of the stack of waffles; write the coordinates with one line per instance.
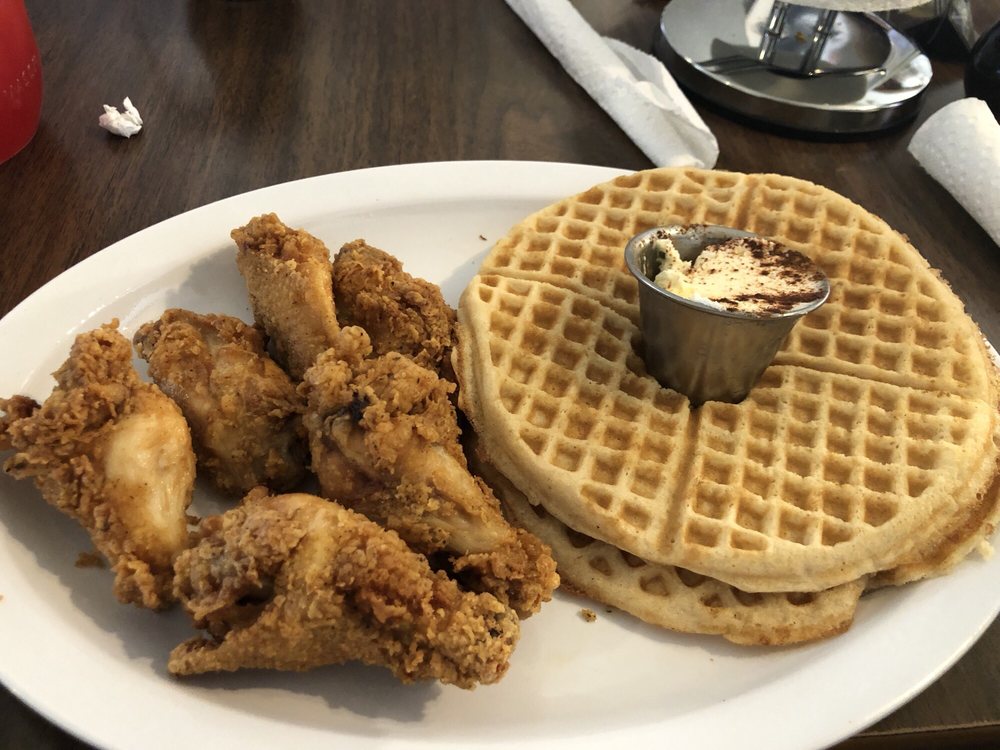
(867, 455)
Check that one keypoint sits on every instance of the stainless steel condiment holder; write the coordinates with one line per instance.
(795, 66)
(705, 353)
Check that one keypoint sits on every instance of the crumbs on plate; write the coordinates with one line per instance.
(89, 560)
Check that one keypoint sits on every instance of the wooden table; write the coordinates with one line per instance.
(239, 95)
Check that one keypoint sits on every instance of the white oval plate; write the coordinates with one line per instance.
(97, 668)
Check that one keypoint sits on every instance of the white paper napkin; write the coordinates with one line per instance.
(959, 145)
(632, 86)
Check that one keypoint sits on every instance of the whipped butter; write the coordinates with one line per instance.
(748, 275)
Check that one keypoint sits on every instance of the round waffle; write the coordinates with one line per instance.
(869, 445)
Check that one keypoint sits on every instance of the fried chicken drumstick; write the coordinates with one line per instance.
(243, 410)
(398, 312)
(287, 272)
(294, 581)
(115, 454)
(384, 441)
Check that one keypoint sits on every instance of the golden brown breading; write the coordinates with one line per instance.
(115, 454)
(287, 272)
(384, 441)
(14, 409)
(243, 410)
(399, 313)
(294, 582)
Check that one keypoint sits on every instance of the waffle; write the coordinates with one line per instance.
(675, 598)
(869, 446)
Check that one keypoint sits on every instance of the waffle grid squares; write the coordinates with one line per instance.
(678, 598)
(874, 367)
(810, 509)
(590, 362)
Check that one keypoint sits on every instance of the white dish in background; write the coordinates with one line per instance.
(98, 668)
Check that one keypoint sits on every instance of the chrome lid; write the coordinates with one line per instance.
(794, 66)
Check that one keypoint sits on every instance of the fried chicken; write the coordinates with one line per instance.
(287, 272)
(384, 440)
(243, 410)
(115, 454)
(14, 410)
(399, 313)
(294, 582)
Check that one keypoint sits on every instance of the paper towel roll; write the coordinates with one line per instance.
(959, 146)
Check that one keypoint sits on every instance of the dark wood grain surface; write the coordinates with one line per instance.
(242, 94)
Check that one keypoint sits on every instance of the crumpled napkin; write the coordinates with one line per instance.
(959, 146)
(632, 86)
(126, 123)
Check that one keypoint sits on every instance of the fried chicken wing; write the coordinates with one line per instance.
(115, 454)
(287, 272)
(243, 410)
(399, 312)
(384, 440)
(294, 581)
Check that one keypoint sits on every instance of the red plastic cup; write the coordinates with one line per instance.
(20, 79)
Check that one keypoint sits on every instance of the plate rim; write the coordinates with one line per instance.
(451, 186)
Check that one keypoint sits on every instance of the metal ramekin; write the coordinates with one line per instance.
(705, 353)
